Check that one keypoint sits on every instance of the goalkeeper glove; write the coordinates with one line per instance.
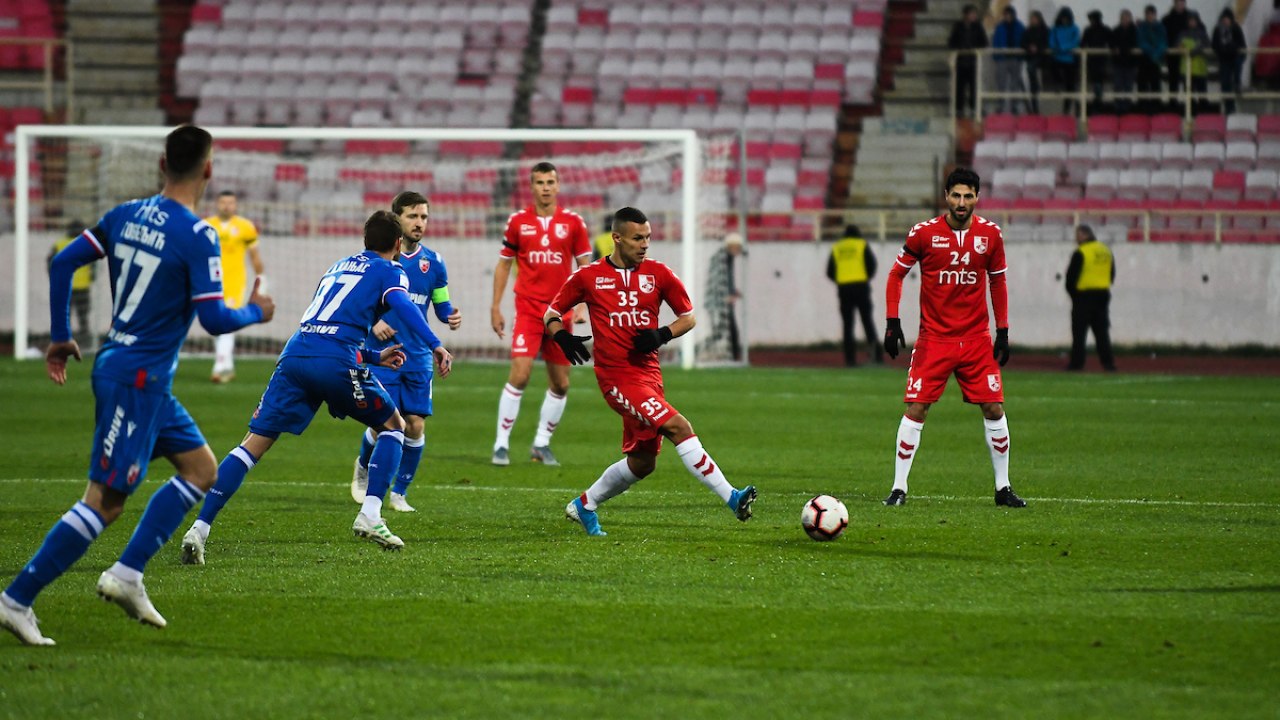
(1000, 349)
(646, 341)
(574, 346)
(893, 339)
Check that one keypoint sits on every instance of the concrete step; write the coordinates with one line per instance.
(93, 80)
(93, 52)
(923, 84)
(115, 6)
(921, 108)
(136, 116)
(117, 27)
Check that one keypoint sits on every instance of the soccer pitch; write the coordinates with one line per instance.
(1142, 580)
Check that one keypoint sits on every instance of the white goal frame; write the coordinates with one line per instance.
(24, 135)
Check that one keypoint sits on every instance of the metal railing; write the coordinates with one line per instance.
(46, 81)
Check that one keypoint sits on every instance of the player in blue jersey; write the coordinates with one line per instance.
(325, 362)
(164, 264)
(410, 386)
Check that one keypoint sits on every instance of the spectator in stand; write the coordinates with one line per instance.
(1154, 44)
(1175, 22)
(1125, 59)
(1097, 37)
(1064, 40)
(1036, 42)
(1229, 46)
(966, 35)
(1008, 35)
(1194, 41)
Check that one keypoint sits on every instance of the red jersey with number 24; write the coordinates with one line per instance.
(954, 265)
(620, 302)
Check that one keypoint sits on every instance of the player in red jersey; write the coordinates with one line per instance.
(623, 293)
(959, 254)
(544, 240)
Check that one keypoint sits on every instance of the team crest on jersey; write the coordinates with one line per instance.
(528, 230)
(993, 382)
(980, 245)
(215, 269)
(940, 241)
(647, 283)
(424, 265)
(562, 231)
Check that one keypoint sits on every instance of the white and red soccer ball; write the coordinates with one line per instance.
(824, 518)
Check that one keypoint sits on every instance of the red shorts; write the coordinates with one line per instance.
(640, 402)
(933, 361)
(529, 334)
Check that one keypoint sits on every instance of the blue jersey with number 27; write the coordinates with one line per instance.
(350, 298)
(161, 258)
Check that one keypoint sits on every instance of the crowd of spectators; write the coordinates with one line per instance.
(1146, 56)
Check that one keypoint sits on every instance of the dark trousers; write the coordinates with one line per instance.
(966, 87)
(1149, 82)
(857, 296)
(1091, 310)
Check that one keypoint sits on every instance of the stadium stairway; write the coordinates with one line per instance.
(116, 61)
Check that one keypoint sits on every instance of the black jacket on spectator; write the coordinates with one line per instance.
(1124, 41)
(1228, 42)
(1035, 41)
(967, 36)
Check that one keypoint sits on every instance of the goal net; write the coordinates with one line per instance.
(308, 192)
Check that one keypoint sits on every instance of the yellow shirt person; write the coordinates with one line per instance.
(237, 237)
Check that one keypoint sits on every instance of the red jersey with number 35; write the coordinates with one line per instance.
(954, 265)
(544, 249)
(622, 301)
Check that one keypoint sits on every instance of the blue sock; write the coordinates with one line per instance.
(366, 447)
(385, 461)
(164, 513)
(409, 464)
(66, 543)
(231, 474)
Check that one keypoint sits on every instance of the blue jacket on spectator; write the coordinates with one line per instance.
(1008, 35)
(1152, 41)
(1064, 37)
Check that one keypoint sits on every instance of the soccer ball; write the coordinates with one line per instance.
(824, 518)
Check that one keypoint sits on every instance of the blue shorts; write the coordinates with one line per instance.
(134, 426)
(300, 384)
(410, 390)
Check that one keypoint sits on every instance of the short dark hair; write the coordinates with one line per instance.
(185, 151)
(543, 167)
(227, 193)
(963, 176)
(1150, 9)
(852, 230)
(408, 199)
(628, 215)
(381, 231)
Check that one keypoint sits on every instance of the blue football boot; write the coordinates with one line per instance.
(740, 502)
(590, 521)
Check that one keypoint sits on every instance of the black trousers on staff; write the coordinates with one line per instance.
(857, 297)
(1091, 310)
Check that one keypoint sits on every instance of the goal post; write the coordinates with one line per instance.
(309, 190)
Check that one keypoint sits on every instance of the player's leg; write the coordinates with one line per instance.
(615, 480)
(931, 366)
(224, 347)
(996, 425)
(981, 383)
(509, 401)
(393, 381)
(553, 405)
(414, 442)
(384, 463)
(703, 468)
(230, 476)
(908, 443)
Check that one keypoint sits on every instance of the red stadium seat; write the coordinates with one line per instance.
(1061, 127)
(999, 126)
(206, 13)
(1029, 127)
(1166, 127)
(1228, 185)
(1269, 125)
(1133, 128)
(1209, 128)
(1103, 128)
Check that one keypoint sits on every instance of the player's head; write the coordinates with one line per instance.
(631, 234)
(1084, 234)
(382, 232)
(226, 205)
(187, 154)
(962, 188)
(546, 183)
(413, 209)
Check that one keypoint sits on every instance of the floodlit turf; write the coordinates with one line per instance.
(1141, 582)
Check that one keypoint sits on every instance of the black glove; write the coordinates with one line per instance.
(1000, 349)
(646, 341)
(893, 339)
(574, 346)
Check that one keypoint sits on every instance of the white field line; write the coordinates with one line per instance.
(342, 484)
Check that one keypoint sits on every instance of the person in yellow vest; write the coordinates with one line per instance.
(238, 237)
(602, 246)
(851, 266)
(81, 285)
(1090, 275)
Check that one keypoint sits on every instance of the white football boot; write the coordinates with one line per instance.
(359, 482)
(131, 597)
(22, 622)
(193, 547)
(375, 530)
(399, 503)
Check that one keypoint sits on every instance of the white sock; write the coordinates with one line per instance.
(614, 481)
(998, 443)
(372, 507)
(126, 573)
(908, 443)
(202, 529)
(552, 410)
(224, 349)
(508, 411)
(701, 466)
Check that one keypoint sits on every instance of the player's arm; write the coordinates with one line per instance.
(410, 316)
(501, 273)
(574, 346)
(893, 337)
(218, 319)
(80, 252)
(1000, 306)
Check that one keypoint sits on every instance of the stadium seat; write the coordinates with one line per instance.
(1061, 127)
(988, 156)
(1101, 183)
(1166, 127)
(1240, 155)
(1197, 185)
(1113, 155)
(1228, 186)
(1029, 128)
(1144, 155)
(1268, 154)
(1039, 182)
(1208, 129)
(1268, 128)
(1262, 184)
(1164, 183)
(1081, 157)
(1052, 155)
(1007, 183)
(1208, 155)
(1176, 155)
(1133, 184)
(1103, 128)
(1242, 127)
(1020, 154)
(1133, 128)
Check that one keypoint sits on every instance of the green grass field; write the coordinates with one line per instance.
(1142, 581)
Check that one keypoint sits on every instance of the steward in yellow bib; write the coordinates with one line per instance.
(851, 266)
(81, 285)
(1089, 277)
